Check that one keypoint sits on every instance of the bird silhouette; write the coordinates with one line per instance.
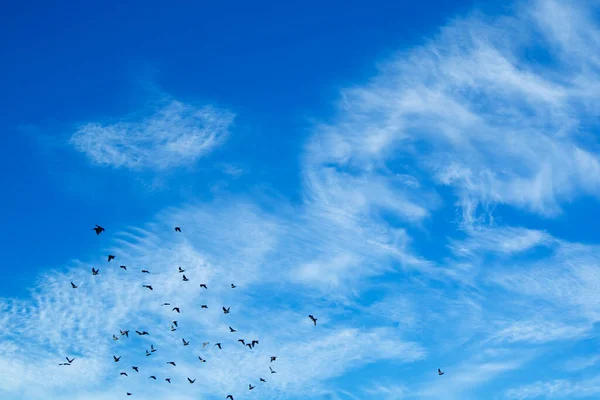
(148, 287)
(262, 380)
(204, 344)
(152, 349)
(145, 271)
(250, 387)
(249, 346)
(110, 257)
(229, 397)
(232, 330)
(64, 364)
(98, 229)
(136, 369)
(204, 306)
(124, 374)
(191, 381)
(219, 346)
(271, 369)
(124, 267)
(168, 380)
(148, 353)
(440, 373)
(203, 285)
(95, 271)
(254, 342)
(185, 343)
(181, 270)
(172, 363)
(242, 341)
(152, 377)
(226, 310)
(273, 358)
(142, 333)
(166, 304)
(175, 309)
(174, 323)
(115, 337)
(116, 358)
(185, 279)
(70, 361)
(173, 329)
(177, 229)
(314, 320)
(201, 359)
(126, 333)
(74, 286)
(128, 394)
(233, 286)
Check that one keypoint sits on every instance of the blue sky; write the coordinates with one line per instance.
(422, 178)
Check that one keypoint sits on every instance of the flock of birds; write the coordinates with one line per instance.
(174, 326)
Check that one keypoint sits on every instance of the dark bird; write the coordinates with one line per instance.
(273, 358)
(262, 380)
(116, 358)
(191, 381)
(148, 353)
(232, 330)
(70, 361)
(185, 279)
(168, 380)
(152, 349)
(440, 372)
(271, 369)
(229, 397)
(148, 287)
(135, 369)
(249, 346)
(145, 271)
(204, 306)
(166, 304)
(204, 344)
(126, 333)
(242, 341)
(219, 346)
(175, 309)
(74, 286)
(250, 387)
(172, 363)
(181, 270)
(110, 257)
(142, 333)
(95, 271)
(64, 364)
(201, 359)
(175, 323)
(173, 329)
(226, 310)
(124, 267)
(184, 342)
(115, 337)
(124, 373)
(202, 285)
(152, 377)
(98, 229)
(254, 343)
(233, 286)
(128, 394)
(177, 229)
(313, 319)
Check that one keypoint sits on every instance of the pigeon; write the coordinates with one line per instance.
(177, 229)
(314, 320)
(232, 330)
(204, 344)
(115, 337)
(254, 342)
(229, 397)
(148, 287)
(250, 387)
(124, 374)
(226, 310)
(152, 349)
(152, 377)
(176, 309)
(273, 358)
(201, 359)
(145, 271)
(203, 285)
(95, 271)
(191, 381)
(70, 361)
(148, 353)
(181, 270)
(185, 279)
(126, 333)
(219, 346)
(135, 369)
(124, 267)
(175, 323)
(204, 306)
(98, 229)
(110, 257)
(74, 286)
(168, 380)
(262, 380)
(172, 363)
(185, 343)
(233, 286)
(116, 358)
(242, 341)
(271, 369)
(440, 373)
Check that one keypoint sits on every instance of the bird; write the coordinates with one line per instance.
(152, 349)
(273, 358)
(250, 387)
(204, 344)
(175, 323)
(168, 380)
(124, 373)
(254, 342)
(110, 257)
(201, 359)
(314, 320)
(126, 333)
(272, 371)
(191, 381)
(232, 330)
(226, 310)
(242, 341)
(98, 229)
(233, 286)
(262, 380)
(203, 285)
(115, 337)
(185, 279)
(64, 364)
(74, 286)
(440, 373)
(148, 353)
(152, 377)
(145, 271)
(95, 271)
(229, 397)
(176, 309)
(184, 342)
(172, 363)
(181, 270)
(148, 287)
(219, 346)
(177, 229)
(124, 267)
(70, 361)
(204, 306)
(166, 304)
(116, 358)
(173, 329)
(128, 394)
(136, 369)
(249, 346)
(142, 333)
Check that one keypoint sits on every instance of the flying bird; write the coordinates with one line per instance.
(98, 229)
(135, 369)
(181, 270)
(152, 349)
(172, 363)
(249, 346)
(191, 381)
(242, 341)
(176, 309)
(262, 380)
(229, 397)
(74, 286)
(64, 364)
(70, 361)
(95, 271)
(204, 306)
(145, 271)
(166, 304)
(185, 279)
(201, 359)
(232, 330)
(254, 342)
(124, 333)
(271, 369)
(219, 346)
(124, 374)
(250, 387)
(204, 344)
(124, 267)
(142, 333)
(116, 358)
(168, 380)
(233, 286)
(128, 394)
(152, 377)
(440, 373)
(148, 287)
(273, 358)
(185, 343)
(203, 285)
(177, 229)
(115, 337)
(173, 329)
(226, 310)
(175, 323)
(314, 320)
(148, 353)
(110, 257)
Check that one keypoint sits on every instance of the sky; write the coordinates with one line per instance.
(422, 178)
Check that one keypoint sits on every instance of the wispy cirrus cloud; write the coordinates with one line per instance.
(174, 134)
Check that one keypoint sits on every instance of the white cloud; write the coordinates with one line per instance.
(175, 134)
(560, 388)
